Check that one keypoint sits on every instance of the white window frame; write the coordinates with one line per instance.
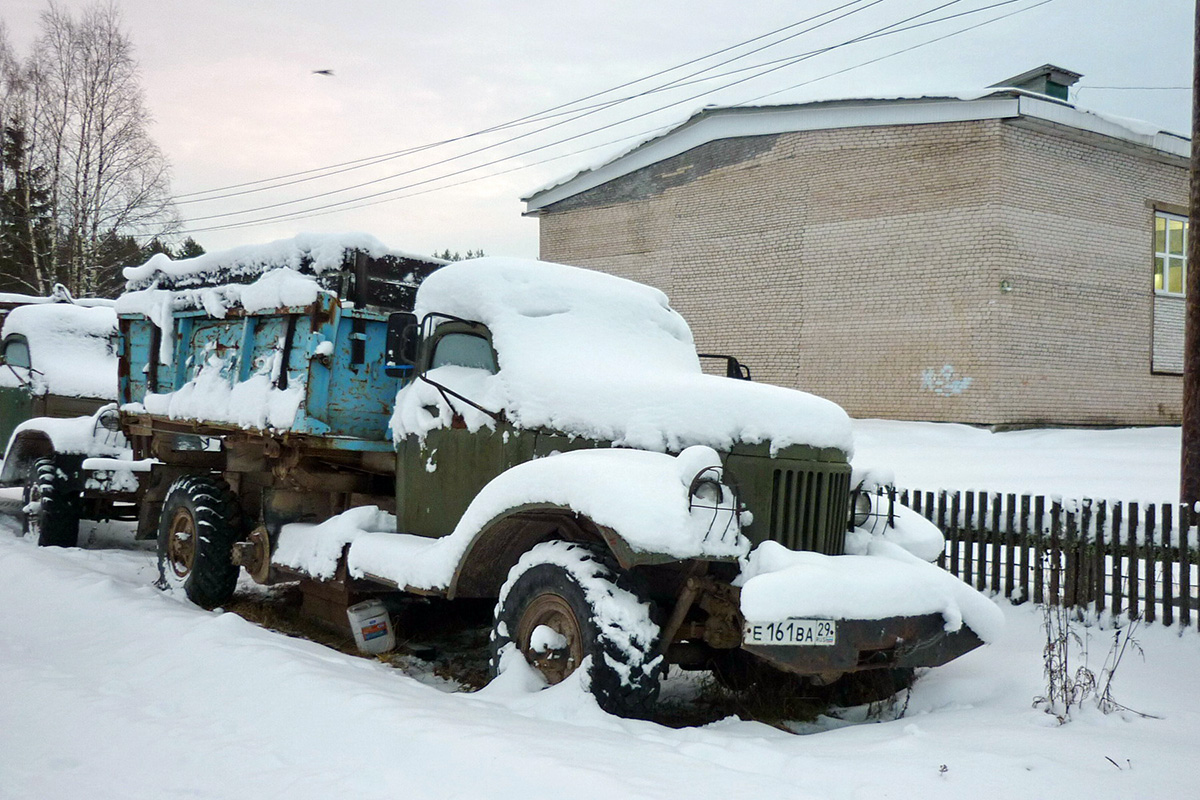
(1167, 256)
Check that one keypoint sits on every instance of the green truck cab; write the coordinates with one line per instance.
(57, 359)
(58, 381)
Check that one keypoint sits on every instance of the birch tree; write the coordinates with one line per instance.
(80, 107)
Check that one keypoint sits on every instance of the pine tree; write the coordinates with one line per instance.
(154, 247)
(446, 255)
(189, 249)
(25, 218)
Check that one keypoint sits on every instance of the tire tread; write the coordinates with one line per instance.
(216, 515)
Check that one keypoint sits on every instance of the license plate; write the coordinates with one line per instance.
(791, 632)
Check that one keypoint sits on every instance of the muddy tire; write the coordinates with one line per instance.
(563, 603)
(53, 501)
(199, 524)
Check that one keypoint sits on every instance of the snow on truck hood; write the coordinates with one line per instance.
(605, 358)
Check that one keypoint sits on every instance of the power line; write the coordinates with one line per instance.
(587, 111)
(889, 29)
(321, 210)
(372, 160)
(495, 145)
(302, 213)
(907, 49)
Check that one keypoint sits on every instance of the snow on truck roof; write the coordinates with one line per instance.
(598, 356)
(10, 300)
(71, 348)
(307, 253)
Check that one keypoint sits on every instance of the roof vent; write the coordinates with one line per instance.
(1046, 79)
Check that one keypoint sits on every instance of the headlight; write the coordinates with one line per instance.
(874, 508)
(862, 508)
(706, 492)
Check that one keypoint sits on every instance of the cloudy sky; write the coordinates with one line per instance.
(232, 88)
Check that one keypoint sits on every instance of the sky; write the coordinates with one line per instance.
(234, 97)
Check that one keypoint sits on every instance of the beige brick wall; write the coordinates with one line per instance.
(1168, 334)
(1075, 335)
(865, 265)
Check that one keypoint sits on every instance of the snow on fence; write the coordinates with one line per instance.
(1107, 557)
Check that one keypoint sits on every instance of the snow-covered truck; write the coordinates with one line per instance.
(535, 434)
(57, 358)
(58, 384)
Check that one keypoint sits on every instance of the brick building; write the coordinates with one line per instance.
(1002, 259)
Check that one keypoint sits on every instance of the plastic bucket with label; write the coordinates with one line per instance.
(372, 626)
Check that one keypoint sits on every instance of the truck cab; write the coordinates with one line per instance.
(56, 360)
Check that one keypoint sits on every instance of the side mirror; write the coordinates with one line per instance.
(400, 351)
(737, 370)
(733, 368)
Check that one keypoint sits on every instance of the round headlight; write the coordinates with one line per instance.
(862, 508)
(707, 492)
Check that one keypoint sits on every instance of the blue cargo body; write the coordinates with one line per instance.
(348, 398)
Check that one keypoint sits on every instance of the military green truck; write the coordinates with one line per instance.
(58, 384)
(57, 359)
(534, 434)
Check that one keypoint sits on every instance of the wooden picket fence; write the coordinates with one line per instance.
(1140, 560)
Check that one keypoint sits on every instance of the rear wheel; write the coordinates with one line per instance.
(563, 603)
(196, 533)
(51, 505)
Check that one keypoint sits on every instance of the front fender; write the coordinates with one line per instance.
(47, 436)
(25, 447)
(638, 503)
(645, 506)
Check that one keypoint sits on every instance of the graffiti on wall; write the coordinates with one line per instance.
(945, 382)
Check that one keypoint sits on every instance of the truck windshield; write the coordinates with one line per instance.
(16, 352)
(463, 350)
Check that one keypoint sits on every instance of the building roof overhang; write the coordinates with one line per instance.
(1031, 109)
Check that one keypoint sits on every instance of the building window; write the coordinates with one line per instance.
(1170, 252)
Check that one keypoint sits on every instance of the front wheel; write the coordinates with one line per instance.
(51, 505)
(196, 533)
(564, 604)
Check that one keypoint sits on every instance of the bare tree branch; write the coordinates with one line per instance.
(80, 109)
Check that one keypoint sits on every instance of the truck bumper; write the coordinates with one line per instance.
(894, 642)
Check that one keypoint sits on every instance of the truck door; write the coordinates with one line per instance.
(16, 399)
(437, 479)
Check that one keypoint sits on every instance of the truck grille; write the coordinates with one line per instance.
(810, 510)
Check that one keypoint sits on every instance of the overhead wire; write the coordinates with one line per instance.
(363, 201)
(780, 64)
(1139, 88)
(379, 158)
(584, 113)
(904, 50)
(360, 202)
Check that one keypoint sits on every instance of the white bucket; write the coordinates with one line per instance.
(372, 626)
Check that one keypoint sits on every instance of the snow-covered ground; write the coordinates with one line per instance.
(113, 689)
(1130, 464)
